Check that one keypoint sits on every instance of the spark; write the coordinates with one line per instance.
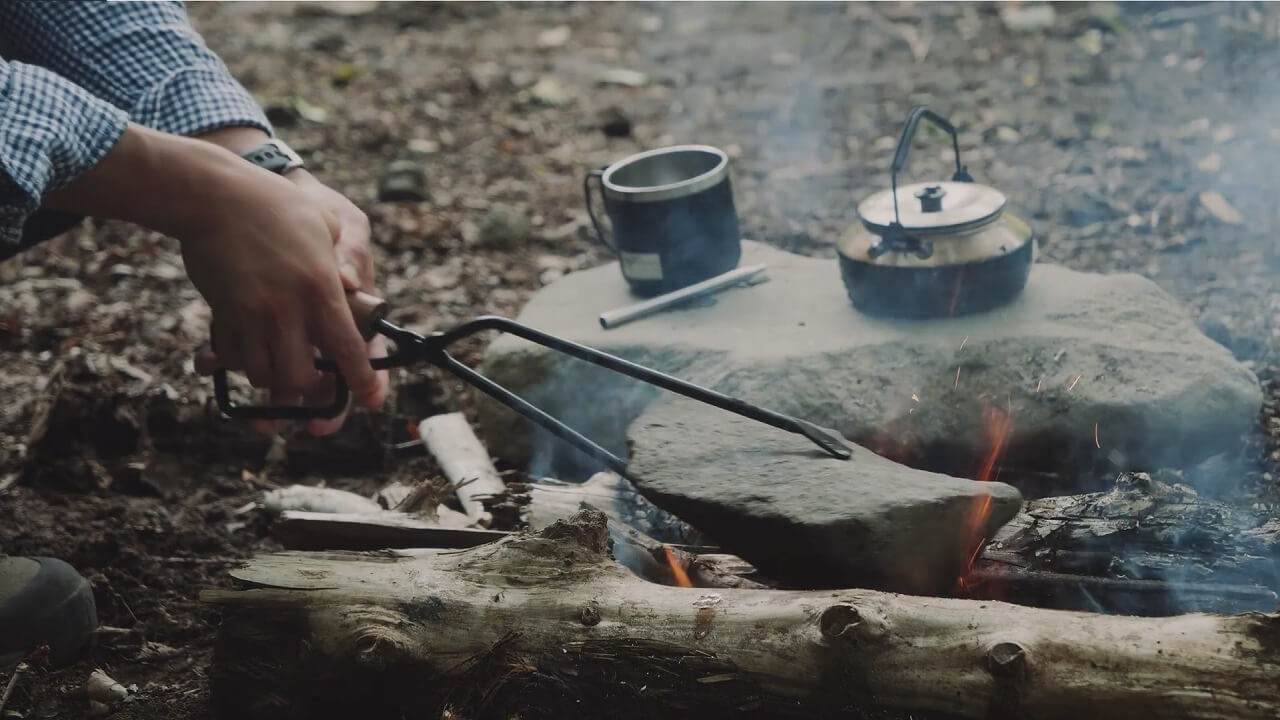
(974, 557)
(957, 383)
(682, 578)
(1095, 437)
(1038, 384)
(962, 342)
(1073, 382)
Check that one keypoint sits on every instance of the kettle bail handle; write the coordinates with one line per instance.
(904, 147)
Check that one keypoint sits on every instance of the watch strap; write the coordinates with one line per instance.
(275, 156)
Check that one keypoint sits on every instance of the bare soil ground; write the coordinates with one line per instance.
(1111, 128)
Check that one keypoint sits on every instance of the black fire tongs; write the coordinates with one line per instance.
(370, 313)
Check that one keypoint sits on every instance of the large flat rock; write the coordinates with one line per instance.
(808, 519)
(1075, 352)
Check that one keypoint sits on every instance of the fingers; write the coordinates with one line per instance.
(256, 351)
(335, 333)
(293, 359)
(322, 395)
(352, 248)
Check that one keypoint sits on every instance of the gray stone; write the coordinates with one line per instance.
(503, 227)
(805, 518)
(1075, 351)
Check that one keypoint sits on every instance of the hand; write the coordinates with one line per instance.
(356, 269)
(268, 269)
(260, 248)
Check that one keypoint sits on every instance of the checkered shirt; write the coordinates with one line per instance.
(73, 74)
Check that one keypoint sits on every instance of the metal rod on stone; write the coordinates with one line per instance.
(623, 315)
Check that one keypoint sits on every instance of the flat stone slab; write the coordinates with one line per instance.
(1093, 371)
(805, 518)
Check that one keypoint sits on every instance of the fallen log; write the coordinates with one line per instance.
(549, 626)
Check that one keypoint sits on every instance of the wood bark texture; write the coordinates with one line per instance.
(548, 625)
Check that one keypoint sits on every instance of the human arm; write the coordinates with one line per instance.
(144, 62)
(142, 57)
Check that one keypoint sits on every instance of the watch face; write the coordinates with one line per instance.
(274, 156)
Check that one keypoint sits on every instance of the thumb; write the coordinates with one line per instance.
(349, 274)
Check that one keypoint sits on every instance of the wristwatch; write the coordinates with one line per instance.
(275, 156)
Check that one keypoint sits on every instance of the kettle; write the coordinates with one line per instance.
(936, 248)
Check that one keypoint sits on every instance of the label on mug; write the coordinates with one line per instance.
(641, 266)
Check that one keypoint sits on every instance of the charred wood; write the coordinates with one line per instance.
(1142, 547)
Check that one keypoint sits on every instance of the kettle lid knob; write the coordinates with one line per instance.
(931, 198)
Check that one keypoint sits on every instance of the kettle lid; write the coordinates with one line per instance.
(933, 207)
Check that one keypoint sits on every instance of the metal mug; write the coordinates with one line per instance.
(673, 216)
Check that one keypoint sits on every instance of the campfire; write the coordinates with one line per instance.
(614, 597)
(961, 495)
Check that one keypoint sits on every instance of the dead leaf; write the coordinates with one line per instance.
(341, 8)
(1218, 206)
(919, 46)
(554, 37)
(1210, 163)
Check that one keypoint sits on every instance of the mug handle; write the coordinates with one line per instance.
(591, 213)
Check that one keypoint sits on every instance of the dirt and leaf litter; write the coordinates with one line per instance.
(1113, 153)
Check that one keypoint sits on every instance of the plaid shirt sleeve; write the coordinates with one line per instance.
(78, 71)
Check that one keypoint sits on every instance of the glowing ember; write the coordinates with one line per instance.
(682, 578)
(1039, 383)
(962, 342)
(957, 383)
(1073, 383)
(1095, 437)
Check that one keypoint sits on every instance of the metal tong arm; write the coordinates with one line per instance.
(828, 442)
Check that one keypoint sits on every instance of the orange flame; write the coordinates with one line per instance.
(997, 423)
(682, 578)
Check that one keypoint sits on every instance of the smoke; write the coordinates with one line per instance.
(1133, 138)
(596, 402)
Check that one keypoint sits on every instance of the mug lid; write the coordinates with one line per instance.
(934, 207)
